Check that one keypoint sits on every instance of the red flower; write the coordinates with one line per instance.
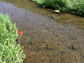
(20, 32)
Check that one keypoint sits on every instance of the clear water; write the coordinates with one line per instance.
(48, 37)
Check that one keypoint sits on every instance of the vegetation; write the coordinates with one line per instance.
(75, 6)
(10, 52)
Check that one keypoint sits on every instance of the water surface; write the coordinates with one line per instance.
(48, 37)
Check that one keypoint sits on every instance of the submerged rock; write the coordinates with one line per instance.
(50, 47)
(74, 46)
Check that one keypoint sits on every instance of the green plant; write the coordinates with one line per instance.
(50, 3)
(10, 52)
(76, 6)
(39, 1)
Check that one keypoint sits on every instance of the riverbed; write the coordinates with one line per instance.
(48, 37)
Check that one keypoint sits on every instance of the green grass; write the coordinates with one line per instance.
(10, 52)
(76, 6)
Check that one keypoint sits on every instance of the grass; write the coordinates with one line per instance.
(10, 52)
(74, 6)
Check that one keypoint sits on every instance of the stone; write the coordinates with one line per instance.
(43, 6)
(74, 46)
(50, 47)
(56, 11)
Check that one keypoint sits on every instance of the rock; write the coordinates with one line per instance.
(72, 12)
(50, 47)
(56, 11)
(62, 52)
(43, 6)
(83, 56)
(74, 46)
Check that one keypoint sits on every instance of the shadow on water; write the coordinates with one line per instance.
(46, 39)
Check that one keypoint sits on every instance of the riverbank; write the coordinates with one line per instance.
(10, 51)
(70, 6)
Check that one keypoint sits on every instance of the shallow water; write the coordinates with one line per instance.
(48, 37)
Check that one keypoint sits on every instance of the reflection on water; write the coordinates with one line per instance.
(46, 40)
